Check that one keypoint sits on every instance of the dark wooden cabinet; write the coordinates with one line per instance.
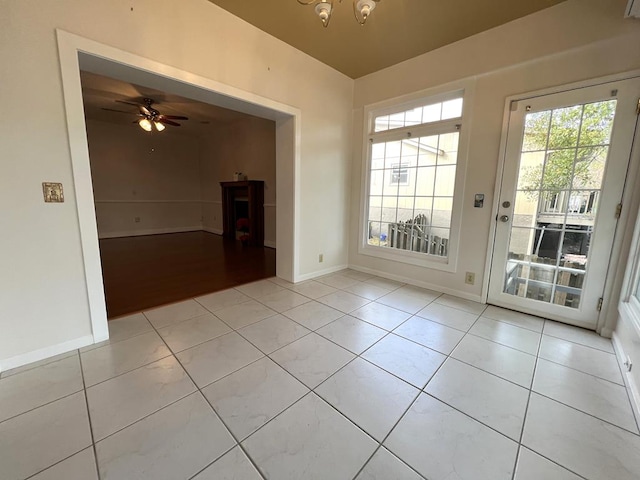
(244, 200)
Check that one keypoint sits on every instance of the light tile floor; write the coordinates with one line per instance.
(347, 377)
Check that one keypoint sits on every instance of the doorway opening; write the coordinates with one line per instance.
(158, 196)
(76, 54)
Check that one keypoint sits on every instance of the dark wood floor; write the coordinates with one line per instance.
(148, 271)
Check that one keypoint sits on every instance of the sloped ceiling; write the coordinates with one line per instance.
(396, 30)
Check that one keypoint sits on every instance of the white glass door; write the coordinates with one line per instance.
(564, 171)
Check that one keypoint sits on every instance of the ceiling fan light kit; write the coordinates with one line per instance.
(324, 8)
(150, 117)
(145, 124)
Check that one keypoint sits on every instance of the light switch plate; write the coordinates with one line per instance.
(52, 192)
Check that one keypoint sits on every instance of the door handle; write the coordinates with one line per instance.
(504, 218)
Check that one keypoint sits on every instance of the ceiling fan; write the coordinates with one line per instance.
(150, 117)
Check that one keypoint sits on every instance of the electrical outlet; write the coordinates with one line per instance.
(321, 258)
(470, 278)
(136, 219)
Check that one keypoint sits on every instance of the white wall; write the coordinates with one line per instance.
(573, 41)
(247, 146)
(43, 300)
(149, 175)
(627, 342)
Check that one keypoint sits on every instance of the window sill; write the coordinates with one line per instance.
(412, 258)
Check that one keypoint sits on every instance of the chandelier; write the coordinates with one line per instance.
(324, 8)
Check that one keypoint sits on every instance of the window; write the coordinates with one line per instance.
(399, 174)
(629, 306)
(413, 169)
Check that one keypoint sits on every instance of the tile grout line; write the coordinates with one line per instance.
(62, 460)
(312, 390)
(583, 412)
(583, 372)
(86, 399)
(51, 401)
(198, 390)
(551, 461)
(520, 445)
(456, 408)
(526, 408)
(478, 317)
(92, 446)
(43, 405)
(387, 333)
(578, 343)
(4, 374)
(129, 371)
(420, 392)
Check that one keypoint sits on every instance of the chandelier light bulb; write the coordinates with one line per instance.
(324, 9)
(364, 8)
(159, 126)
(145, 124)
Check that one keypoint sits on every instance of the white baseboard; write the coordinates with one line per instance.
(213, 230)
(634, 388)
(417, 283)
(311, 276)
(51, 351)
(151, 231)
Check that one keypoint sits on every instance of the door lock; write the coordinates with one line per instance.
(506, 204)
(504, 218)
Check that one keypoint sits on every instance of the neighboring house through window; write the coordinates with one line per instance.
(411, 200)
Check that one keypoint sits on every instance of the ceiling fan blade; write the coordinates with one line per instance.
(128, 103)
(144, 110)
(174, 117)
(119, 111)
(169, 122)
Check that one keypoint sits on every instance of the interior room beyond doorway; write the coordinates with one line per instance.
(158, 199)
(146, 271)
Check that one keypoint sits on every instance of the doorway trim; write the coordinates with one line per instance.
(72, 49)
(608, 317)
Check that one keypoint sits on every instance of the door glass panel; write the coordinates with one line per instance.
(589, 168)
(530, 170)
(565, 127)
(524, 213)
(561, 170)
(535, 132)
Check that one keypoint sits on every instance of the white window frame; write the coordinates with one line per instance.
(629, 305)
(450, 92)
